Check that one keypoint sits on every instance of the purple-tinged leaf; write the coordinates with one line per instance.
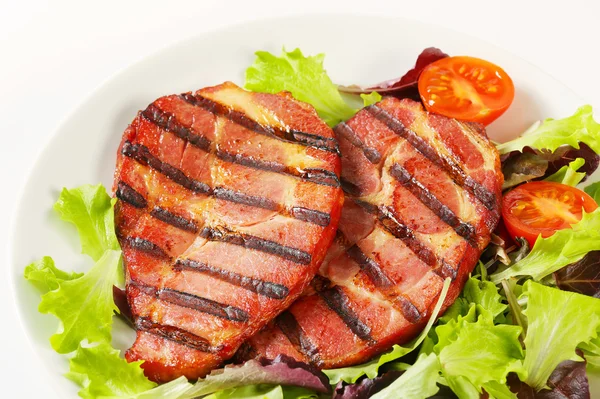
(406, 86)
(365, 387)
(568, 381)
(582, 277)
(282, 371)
(567, 154)
(519, 167)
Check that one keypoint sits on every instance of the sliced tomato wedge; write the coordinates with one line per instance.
(466, 88)
(543, 208)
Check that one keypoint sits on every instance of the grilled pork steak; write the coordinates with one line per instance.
(227, 203)
(422, 196)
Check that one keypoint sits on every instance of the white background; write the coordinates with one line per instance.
(54, 53)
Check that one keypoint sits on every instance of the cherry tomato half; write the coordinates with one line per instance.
(543, 208)
(466, 88)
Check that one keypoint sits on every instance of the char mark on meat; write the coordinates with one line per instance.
(266, 288)
(292, 136)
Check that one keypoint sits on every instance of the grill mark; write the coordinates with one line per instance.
(312, 216)
(169, 122)
(382, 282)
(337, 301)
(289, 326)
(350, 188)
(126, 193)
(175, 334)
(312, 175)
(174, 220)
(408, 309)
(245, 199)
(342, 129)
(370, 268)
(143, 155)
(487, 198)
(223, 234)
(391, 223)
(194, 302)
(291, 136)
(146, 246)
(265, 288)
(463, 229)
(320, 283)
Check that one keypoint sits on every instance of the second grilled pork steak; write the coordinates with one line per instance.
(227, 203)
(422, 196)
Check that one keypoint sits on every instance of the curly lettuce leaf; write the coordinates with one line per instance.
(558, 321)
(370, 99)
(46, 276)
(568, 381)
(484, 294)
(568, 174)
(593, 190)
(371, 369)
(557, 251)
(101, 372)
(90, 209)
(304, 77)
(418, 382)
(475, 353)
(592, 352)
(553, 133)
(84, 305)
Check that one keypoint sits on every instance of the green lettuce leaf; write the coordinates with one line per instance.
(591, 351)
(553, 133)
(484, 294)
(418, 382)
(568, 174)
(498, 391)
(371, 369)
(593, 191)
(558, 321)
(90, 209)
(101, 372)
(369, 99)
(84, 305)
(561, 249)
(46, 276)
(478, 353)
(304, 77)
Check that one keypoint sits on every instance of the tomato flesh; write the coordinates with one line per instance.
(466, 88)
(543, 208)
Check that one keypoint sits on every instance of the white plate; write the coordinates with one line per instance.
(83, 149)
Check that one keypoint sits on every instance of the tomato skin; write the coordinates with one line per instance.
(466, 88)
(542, 208)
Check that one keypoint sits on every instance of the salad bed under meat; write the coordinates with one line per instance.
(526, 324)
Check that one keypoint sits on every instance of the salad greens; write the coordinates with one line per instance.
(103, 373)
(593, 191)
(90, 209)
(306, 79)
(557, 251)
(568, 174)
(557, 322)
(554, 133)
(512, 329)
